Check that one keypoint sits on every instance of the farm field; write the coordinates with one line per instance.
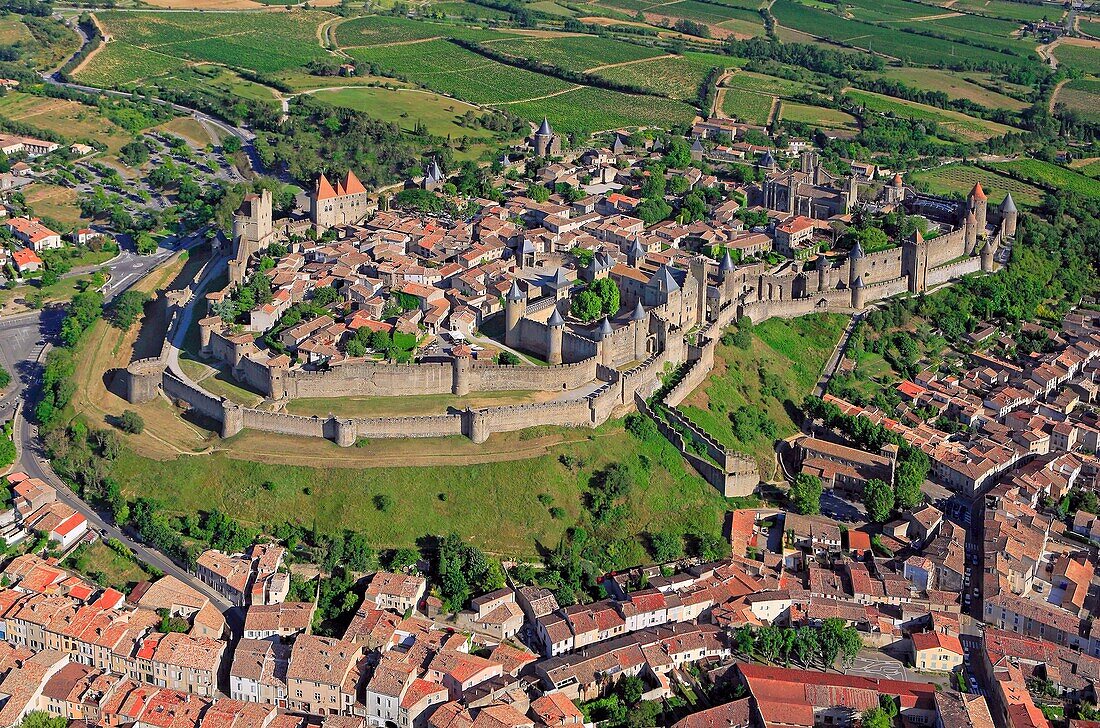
(678, 77)
(1081, 95)
(118, 63)
(576, 53)
(1090, 27)
(73, 120)
(819, 116)
(302, 81)
(406, 108)
(374, 30)
(593, 109)
(448, 68)
(1052, 175)
(1012, 10)
(1080, 54)
(458, 9)
(959, 179)
(191, 130)
(957, 85)
(785, 360)
(707, 13)
(208, 77)
(897, 43)
(1089, 167)
(988, 31)
(260, 42)
(770, 85)
(748, 107)
(964, 126)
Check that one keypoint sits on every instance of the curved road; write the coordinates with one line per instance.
(24, 342)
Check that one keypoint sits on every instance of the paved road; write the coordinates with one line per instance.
(23, 341)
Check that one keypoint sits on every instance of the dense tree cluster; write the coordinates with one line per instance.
(812, 647)
(463, 570)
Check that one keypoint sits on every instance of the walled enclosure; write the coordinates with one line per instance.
(659, 336)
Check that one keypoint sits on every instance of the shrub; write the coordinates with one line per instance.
(383, 502)
(131, 422)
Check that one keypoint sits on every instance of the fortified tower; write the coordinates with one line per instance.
(555, 329)
(1009, 215)
(515, 308)
(914, 261)
(859, 295)
(856, 264)
(603, 335)
(970, 232)
(978, 202)
(641, 331)
(987, 256)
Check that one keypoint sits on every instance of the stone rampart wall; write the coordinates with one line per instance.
(945, 273)
(946, 247)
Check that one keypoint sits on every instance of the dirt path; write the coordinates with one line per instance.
(774, 110)
(94, 52)
(537, 98)
(626, 63)
(923, 18)
(1054, 94)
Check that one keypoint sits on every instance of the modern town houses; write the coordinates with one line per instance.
(32, 233)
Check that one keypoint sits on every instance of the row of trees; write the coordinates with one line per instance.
(809, 646)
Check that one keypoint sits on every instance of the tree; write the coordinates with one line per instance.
(383, 502)
(507, 358)
(39, 719)
(912, 470)
(630, 688)
(134, 154)
(875, 718)
(587, 306)
(145, 243)
(713, 547)
(403, 558)
(805, 494)
(131, 422)
(5, 378)
(667, 546)
(805, 644)
(608, 291)
(745, 640)
(878, 497)
(127, 308)
(355, 347)
(829, 641)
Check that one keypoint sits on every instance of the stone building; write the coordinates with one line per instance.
(344, 204)
(810, 191)
(544, 142)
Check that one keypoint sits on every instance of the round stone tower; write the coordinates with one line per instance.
(555, 330)
(515, 308)
(1009, 216)
(641, 331)
(987, 257)
(970, 232)
(858, 294)
(822, 273)
(856, 264)
(603, 335)
(980, 204)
